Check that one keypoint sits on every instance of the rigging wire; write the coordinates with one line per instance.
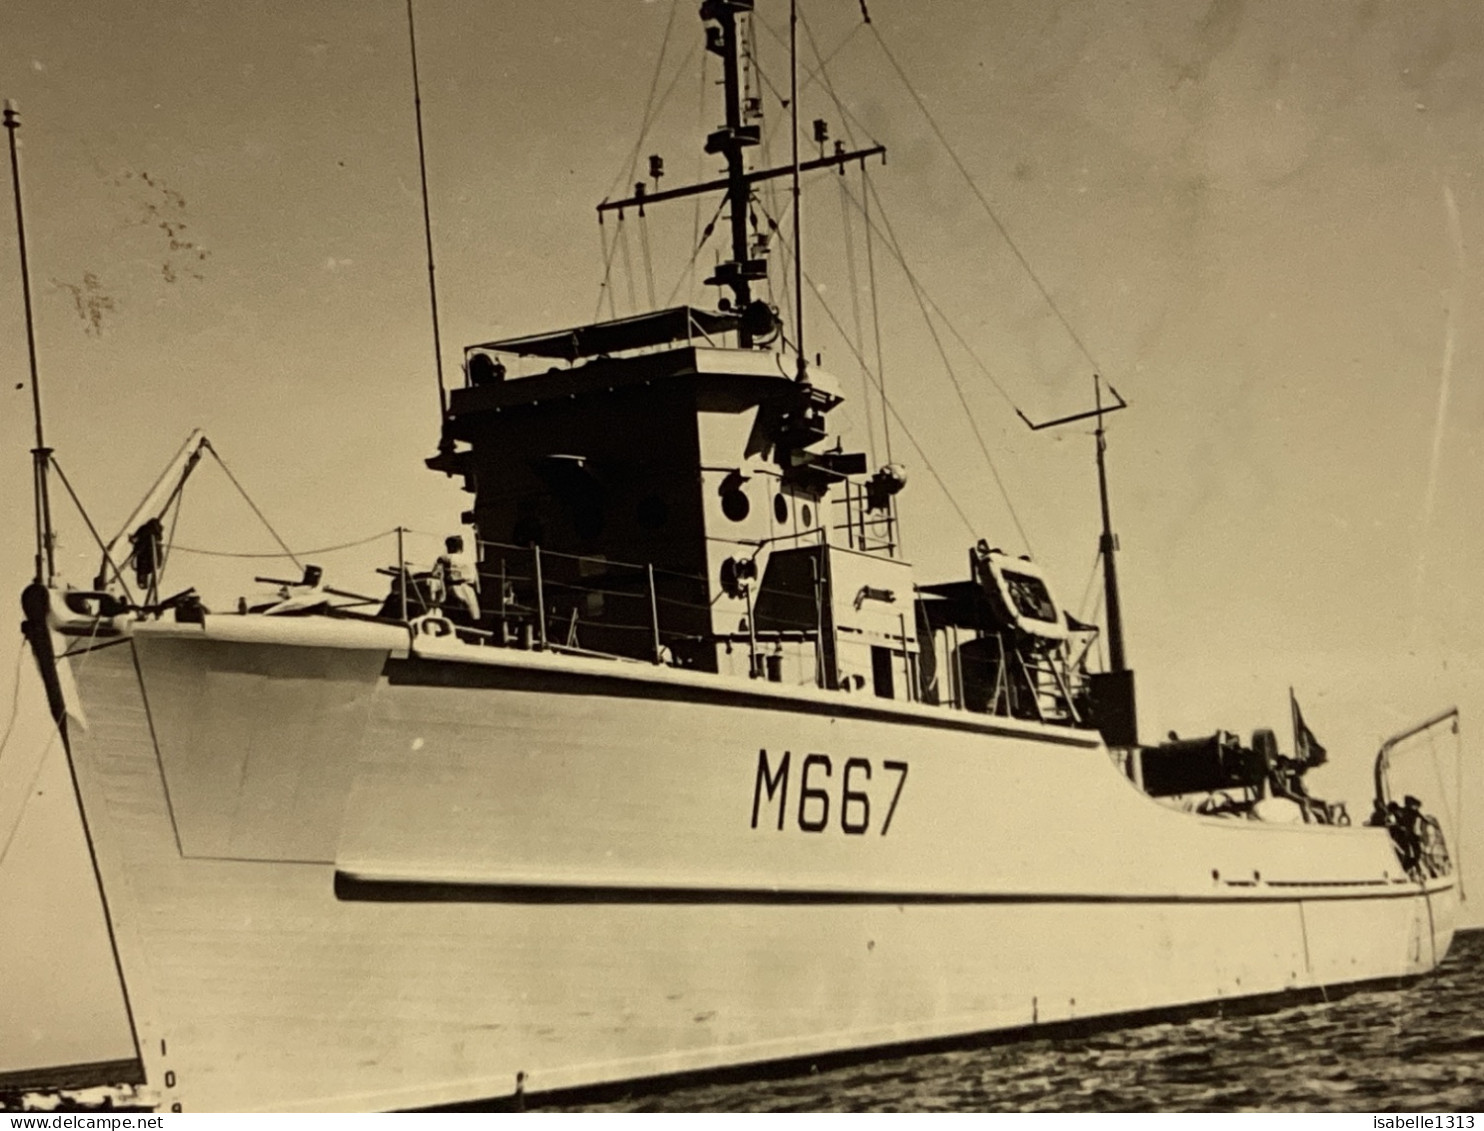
(248, 498)
(855, 305)
(782, 297)
(821, 72)
(786, 292)
(179, 502)
(1453, 811)
(750, 47)
(773, 89)
(818, 74)
(891, 408)
(93, 530)
(868, 188)
(652, 107)
(690, 268)
(984, 203)
(645, 118)
(824, 78)
(53, 734)
(921, 292)
(422, 170)
(51, 737)
(847, 117)
(918, 294)
(628, 263)
(875, 310)
(695, 223)
(287, 553)
(894, 247)
(648, 262)
(605, 286)
(1097, 615)
(958, 389)
(793, 136)
(1458, 804)
(815, 74)
(824, 60)
(649, 120)
(15, 699)
(1092, 577)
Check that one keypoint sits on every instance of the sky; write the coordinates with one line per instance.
(1257, 217)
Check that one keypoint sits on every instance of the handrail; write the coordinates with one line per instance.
(591, 604)
(607, 561)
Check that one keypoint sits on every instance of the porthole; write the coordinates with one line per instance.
(780, 508)
(734, 505)
(806, 516)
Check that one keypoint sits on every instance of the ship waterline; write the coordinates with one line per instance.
(345, 870)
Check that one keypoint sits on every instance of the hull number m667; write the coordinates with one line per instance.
(822, 794)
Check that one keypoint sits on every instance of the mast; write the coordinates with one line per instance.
(46, 569)
(793, 108)
(742, 270)
(730, 140)
(1113, 702)
(1108, 545)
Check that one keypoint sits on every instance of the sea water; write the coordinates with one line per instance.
(1416, 1049)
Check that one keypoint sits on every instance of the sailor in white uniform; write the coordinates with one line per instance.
(459, 575)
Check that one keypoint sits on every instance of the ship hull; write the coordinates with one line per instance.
(345, 874)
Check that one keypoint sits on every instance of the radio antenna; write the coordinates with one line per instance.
(46, 569)
(422, 172)
(1108, 543)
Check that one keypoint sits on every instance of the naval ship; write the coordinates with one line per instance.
(685, 770)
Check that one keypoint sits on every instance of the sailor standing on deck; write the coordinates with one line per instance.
(459, 576)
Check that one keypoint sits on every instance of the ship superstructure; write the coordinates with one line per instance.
(685, 769)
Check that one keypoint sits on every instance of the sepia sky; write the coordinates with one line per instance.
(1260, 218)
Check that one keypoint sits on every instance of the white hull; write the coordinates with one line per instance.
(340, 878)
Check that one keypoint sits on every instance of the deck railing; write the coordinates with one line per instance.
(867, 529)
(541, 599)
(535, 597)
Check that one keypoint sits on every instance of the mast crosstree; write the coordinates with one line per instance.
(740, 132)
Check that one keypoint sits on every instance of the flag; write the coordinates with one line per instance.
(1306, 748)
